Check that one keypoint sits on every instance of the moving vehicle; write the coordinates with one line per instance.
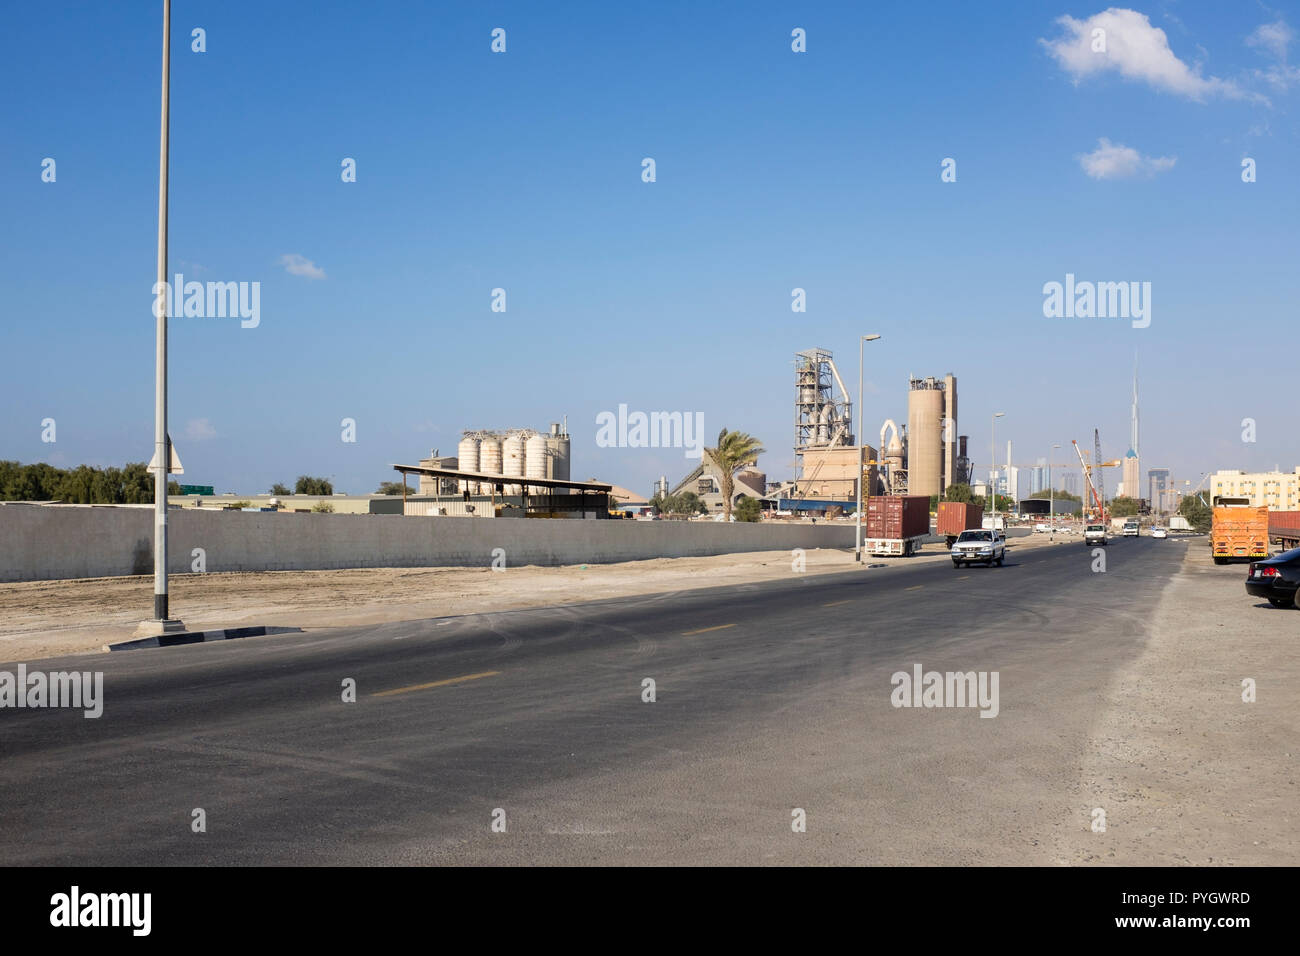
(1041, 528)
(1238, 530)
(955, 517)
(1159, 532)
(997, 523)
(1131, 528)
(983, 545)
(1276, 578)
(896, 524)
(1179, 523)
(1094, 534)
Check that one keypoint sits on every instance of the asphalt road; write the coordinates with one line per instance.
(770, 698)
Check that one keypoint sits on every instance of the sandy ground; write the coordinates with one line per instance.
(41, 619)
(1186, 771)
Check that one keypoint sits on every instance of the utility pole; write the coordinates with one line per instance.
(162, 620)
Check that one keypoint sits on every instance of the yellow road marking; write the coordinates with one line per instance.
(914, 588)
(833, 603)
(704, 630)
(437, 683)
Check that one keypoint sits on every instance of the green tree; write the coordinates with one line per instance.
(323, 507)
(1123, 507)
(308, 485)
(748, 509)
(280, 489)
(1198, 514)
(958, 492)
(390, 488)
(733, 452)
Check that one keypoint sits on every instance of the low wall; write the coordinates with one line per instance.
(76, 541)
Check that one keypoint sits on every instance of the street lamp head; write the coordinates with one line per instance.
(998, 414)
(870, 338)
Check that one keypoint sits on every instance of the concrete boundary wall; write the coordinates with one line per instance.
(40, 543)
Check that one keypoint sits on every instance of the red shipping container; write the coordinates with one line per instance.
(898, 516)
(958, 516)
(1283, 521)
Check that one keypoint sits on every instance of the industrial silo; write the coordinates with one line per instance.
(557, 453)
(535, 462)
(512, 457)
(489, 459)
(925, 410)
(467, 459)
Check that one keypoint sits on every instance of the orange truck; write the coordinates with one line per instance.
(1239, 530)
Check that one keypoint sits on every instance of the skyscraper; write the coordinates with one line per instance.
(1132, 460)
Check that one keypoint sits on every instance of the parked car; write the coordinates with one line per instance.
(1094, 534)
(987, 546)
(1275, 579)
(1159, 532)
(1041, 528)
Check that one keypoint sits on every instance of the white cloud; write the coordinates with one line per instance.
(1136, 50)
(1116, 161)
(199, 429)
(298, 265)
(1275, 38)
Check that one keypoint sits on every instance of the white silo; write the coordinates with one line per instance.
(489, 460)
(557, 453)
(467, 459)
(512, 457)
(536, 461)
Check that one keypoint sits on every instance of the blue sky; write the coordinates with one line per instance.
(775, 170)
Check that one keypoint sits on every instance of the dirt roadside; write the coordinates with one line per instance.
(41, 619)
(1186, 771)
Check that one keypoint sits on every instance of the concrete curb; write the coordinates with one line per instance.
(200, 637)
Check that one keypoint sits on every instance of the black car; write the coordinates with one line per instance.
(1275, 578)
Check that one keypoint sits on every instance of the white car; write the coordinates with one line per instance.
(1041, 528)
(984, 546)
(1159, 532)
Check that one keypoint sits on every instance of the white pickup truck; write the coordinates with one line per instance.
(1094, 534)
(984, 546)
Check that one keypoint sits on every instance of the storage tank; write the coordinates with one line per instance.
(557, 450)
(467, 460)
(512, 458)
(489, 460)
(535, 461)
(925, 408)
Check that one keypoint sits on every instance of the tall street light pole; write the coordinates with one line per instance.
(162, 453)
(993, 466)
(857, 551)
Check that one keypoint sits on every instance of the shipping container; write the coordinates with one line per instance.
(897, 524)
(1284, 528)
(956, 517)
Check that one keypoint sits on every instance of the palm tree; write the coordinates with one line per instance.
(735, 450)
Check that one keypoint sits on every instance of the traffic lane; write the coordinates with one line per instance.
(440, 747)
(204, 683)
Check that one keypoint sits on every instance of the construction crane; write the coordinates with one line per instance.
(1094, 488)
